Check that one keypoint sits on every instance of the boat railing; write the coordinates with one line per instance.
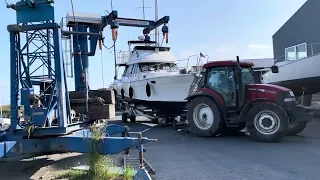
(195, 64)
(123, 57)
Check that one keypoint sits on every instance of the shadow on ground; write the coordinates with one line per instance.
(34, 168)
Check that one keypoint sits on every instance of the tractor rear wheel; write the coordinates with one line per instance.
(296, 127)
(204, 117)
(267, 122)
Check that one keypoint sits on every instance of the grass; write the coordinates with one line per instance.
(100, 167)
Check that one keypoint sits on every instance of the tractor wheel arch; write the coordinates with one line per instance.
(222, 108)
(248, 106)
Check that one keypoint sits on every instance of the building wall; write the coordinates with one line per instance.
(302, 27)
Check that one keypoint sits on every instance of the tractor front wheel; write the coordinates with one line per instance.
(267, 122)
(204, 117)
(296, 127)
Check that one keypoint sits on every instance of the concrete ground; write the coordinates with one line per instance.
(180, 155)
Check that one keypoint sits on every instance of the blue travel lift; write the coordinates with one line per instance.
(48, 124)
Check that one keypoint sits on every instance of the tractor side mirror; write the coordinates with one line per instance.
(275, 69)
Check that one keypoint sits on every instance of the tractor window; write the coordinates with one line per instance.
(222, 80)
(247, 76)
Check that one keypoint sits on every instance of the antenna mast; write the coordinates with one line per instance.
(156, 35)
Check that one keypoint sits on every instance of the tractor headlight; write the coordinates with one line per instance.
(291, 93)
(290, 98)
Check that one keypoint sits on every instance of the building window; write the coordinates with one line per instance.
(296, 52)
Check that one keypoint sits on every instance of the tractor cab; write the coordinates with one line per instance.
(229, 98)
(226, 79)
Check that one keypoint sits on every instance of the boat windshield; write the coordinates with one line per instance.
(158, 66)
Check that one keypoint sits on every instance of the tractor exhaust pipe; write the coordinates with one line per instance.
(239, 97)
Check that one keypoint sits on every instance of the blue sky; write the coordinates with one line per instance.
(223, 29)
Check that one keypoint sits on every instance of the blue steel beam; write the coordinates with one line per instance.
(80, 49)
(13, 82)
(40, 132)
(158, 23)
(80, 141)
(114, 21)
(60, 82)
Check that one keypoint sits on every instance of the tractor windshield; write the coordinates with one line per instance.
(247, 76)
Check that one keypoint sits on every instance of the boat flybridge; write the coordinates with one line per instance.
(152, 78)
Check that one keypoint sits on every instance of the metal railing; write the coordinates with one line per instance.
(123, 57)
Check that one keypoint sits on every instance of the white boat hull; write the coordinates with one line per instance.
(174, 88)
(168, 93)
(297, 75)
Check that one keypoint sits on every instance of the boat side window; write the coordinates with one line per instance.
(125, 71)
(143, 67)
(296, 52)
(167, 66)
(135, 69)
(147, 67)
(129, 70)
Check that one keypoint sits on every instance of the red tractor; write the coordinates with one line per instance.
(229, 98)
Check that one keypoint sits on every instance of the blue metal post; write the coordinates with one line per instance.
(13, 83)
(80, 48)
(60, 80)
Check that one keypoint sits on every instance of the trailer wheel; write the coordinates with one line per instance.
(267, 122)
(132, 119)
(296, 127)
(204, 117)
(124, 117)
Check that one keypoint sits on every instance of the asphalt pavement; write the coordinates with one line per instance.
(180, 155)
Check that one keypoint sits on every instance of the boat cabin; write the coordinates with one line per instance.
(148, 59)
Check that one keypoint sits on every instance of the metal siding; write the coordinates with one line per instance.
(301, 27)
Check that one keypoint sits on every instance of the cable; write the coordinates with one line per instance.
(162, 40)
(115, 60)
(102, 70)
(109, 47)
